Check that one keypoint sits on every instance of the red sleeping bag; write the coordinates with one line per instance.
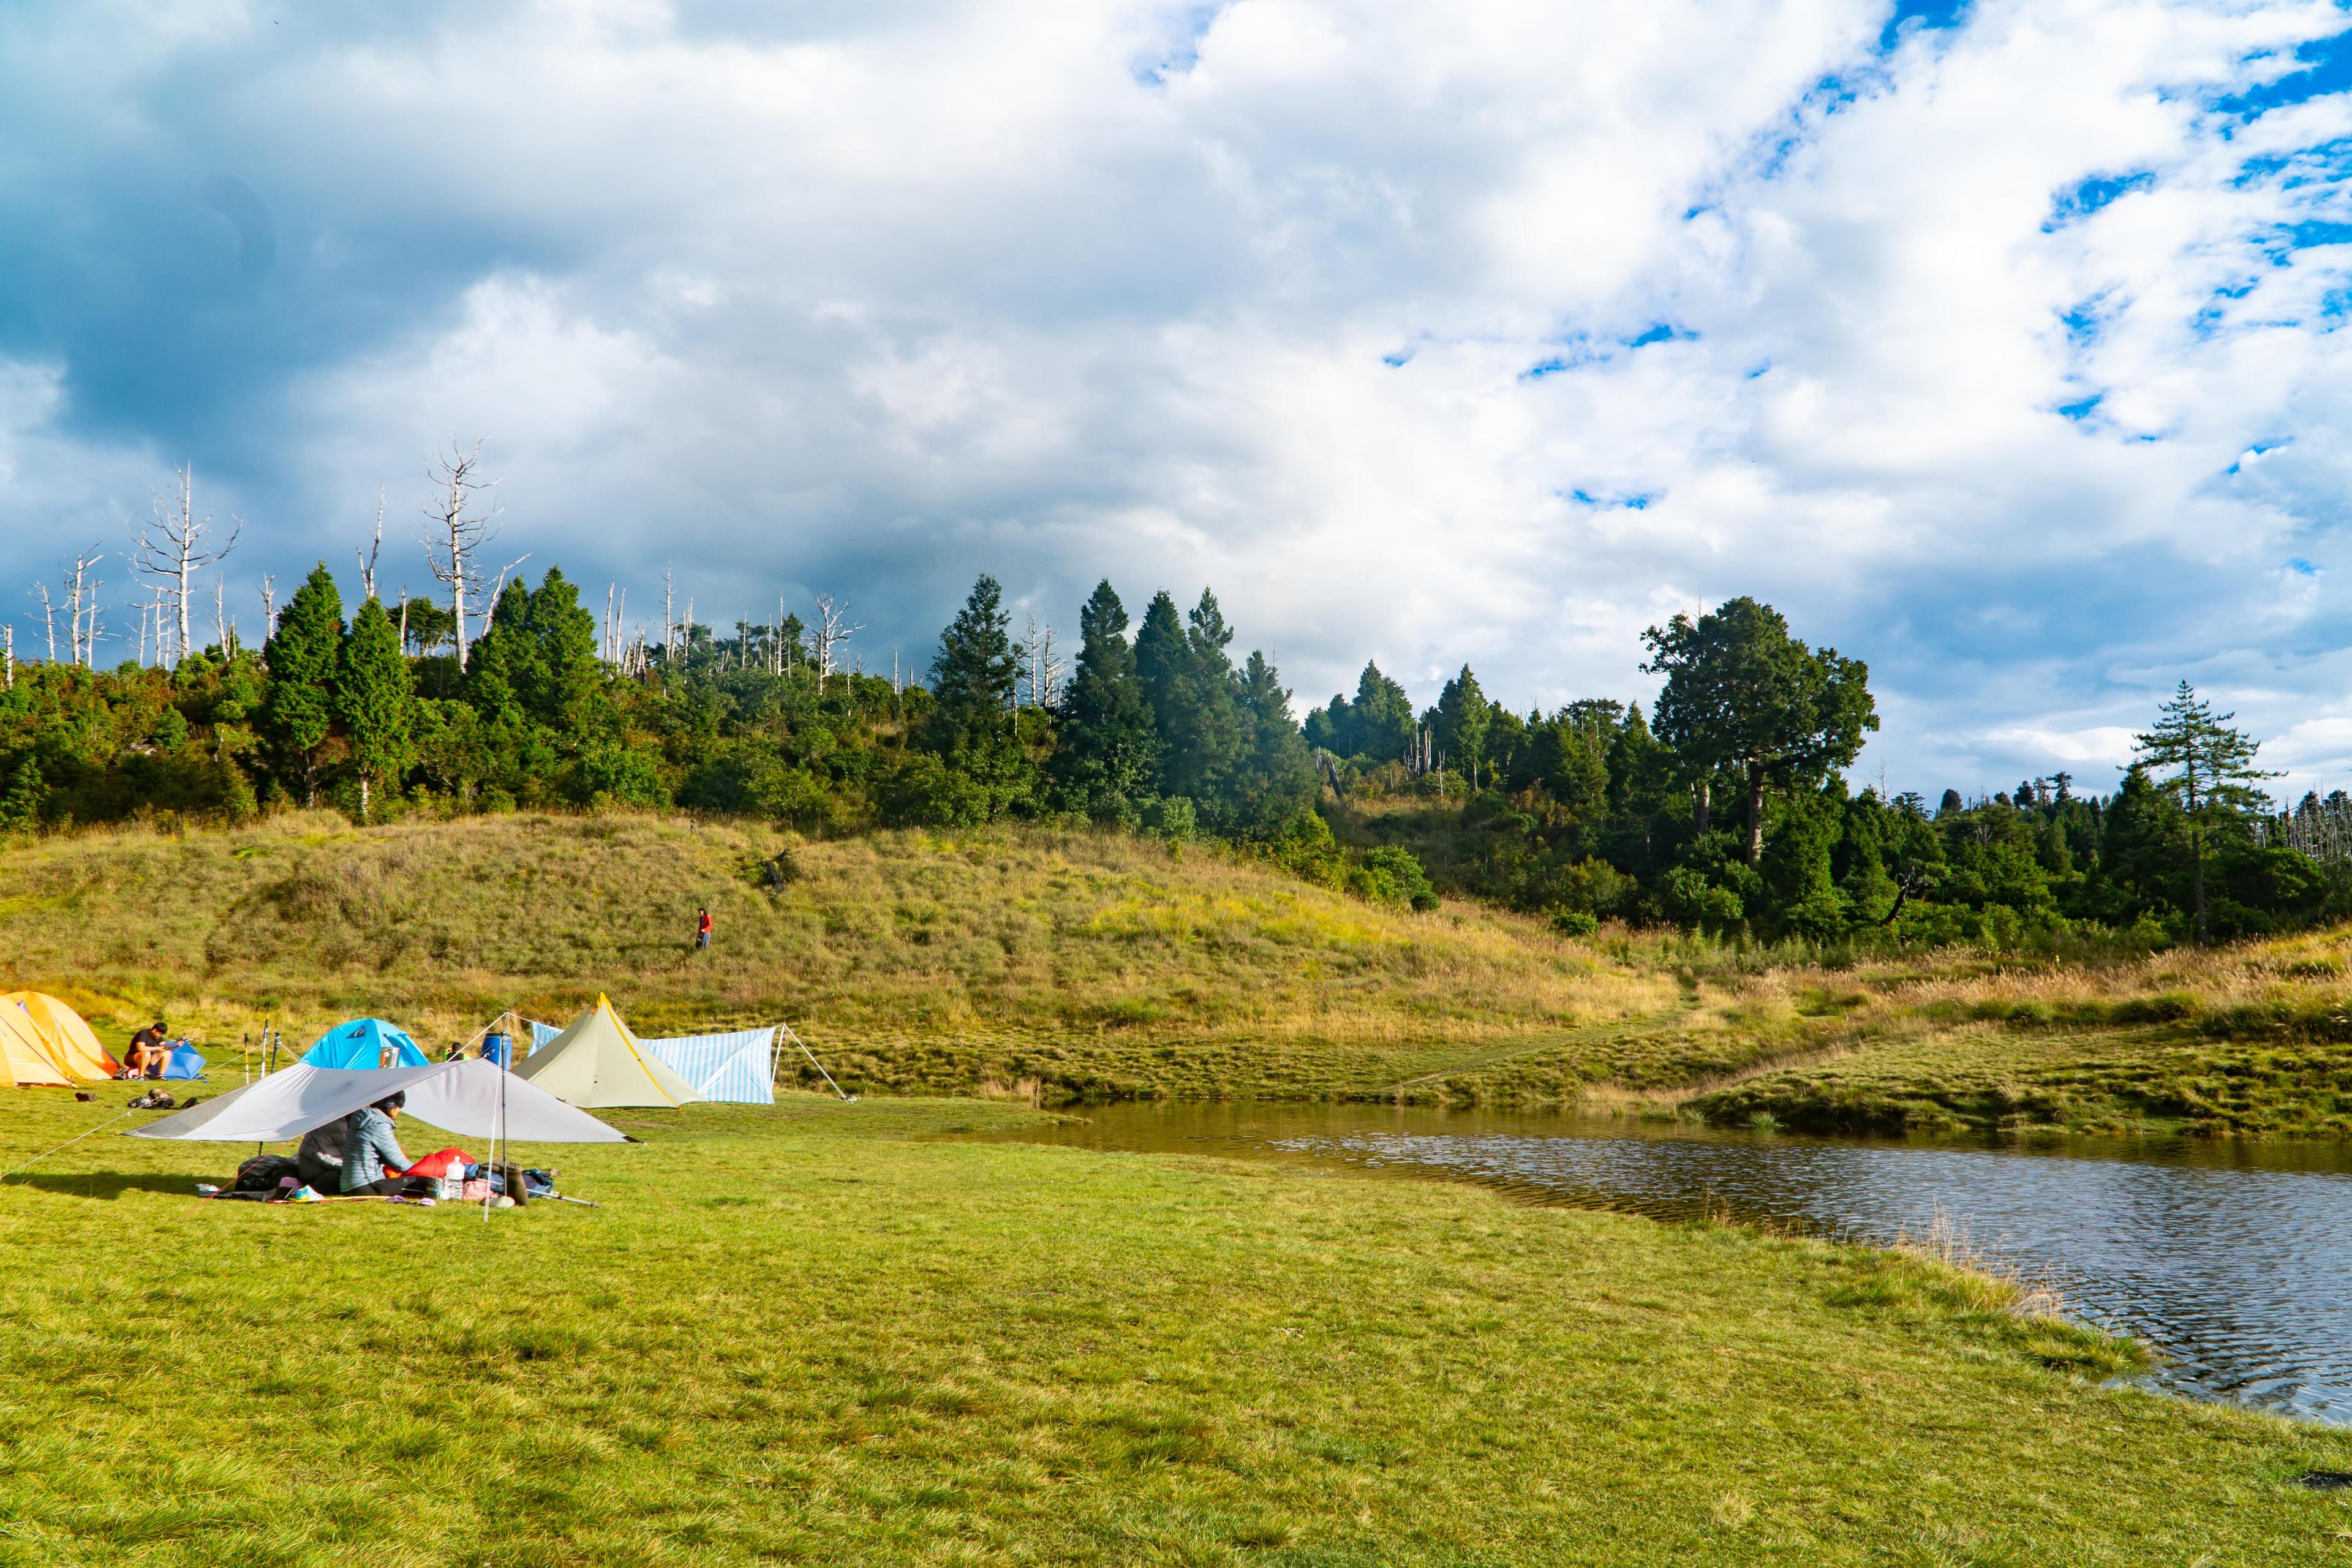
(441, 1163)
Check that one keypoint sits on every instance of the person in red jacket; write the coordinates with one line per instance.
(702, 929)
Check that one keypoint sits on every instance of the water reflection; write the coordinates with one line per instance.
(2234, 1262)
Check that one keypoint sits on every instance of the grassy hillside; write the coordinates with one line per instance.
(822, 1334)
(1082, 961)
(1053, 963)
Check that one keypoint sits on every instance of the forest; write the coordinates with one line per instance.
(1725, 810)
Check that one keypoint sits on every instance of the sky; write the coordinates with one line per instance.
(1996, 345)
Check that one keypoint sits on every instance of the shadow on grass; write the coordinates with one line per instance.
(108, 1185)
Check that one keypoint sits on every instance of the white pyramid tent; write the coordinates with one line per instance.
(597, 1063)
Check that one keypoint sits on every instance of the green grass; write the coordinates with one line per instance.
(2018, 1077)
(826, 1334)
(1049, 964)
(1082, 962)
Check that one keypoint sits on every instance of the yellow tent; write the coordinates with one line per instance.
(21, 1053)
(597, 1062)
(65, 1038)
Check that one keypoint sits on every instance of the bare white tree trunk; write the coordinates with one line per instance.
(604, 649)
(367, 566)
(221, 632)
(171, 547)
(82, 622)
(459, 521)
(669, 629)
(268, 607)
(8, 658)
(1050, 670)
(49, 619)
(833, 630)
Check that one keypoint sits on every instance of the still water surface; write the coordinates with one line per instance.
(2232, 1261)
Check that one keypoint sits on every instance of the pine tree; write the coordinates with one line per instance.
(564, 678)
(299, 714)
(1274, 780)
(1103, 764)
(973, 674)
(1462, 721)
(372, 699)
(2208, 770)
(1380, 727)
(21, 802)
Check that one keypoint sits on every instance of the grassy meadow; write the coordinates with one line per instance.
(1073, 963)
(1055, 965)
(829, 1335)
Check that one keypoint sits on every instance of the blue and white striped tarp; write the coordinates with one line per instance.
(541, 1033)
(730, 1067)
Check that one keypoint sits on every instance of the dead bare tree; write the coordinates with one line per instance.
(459, 520)
(669, 601)
(49, 619)
(490, 610)
(1048, 669)
(171, 547)
(81, 597)
(833, 629)
(8, 656)
(224, 629)
(605, 643)
(268, 607)
(374, 549)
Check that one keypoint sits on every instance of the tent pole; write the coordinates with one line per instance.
(815, 1063)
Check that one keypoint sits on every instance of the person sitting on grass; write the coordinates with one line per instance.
(147, 1053)
(374, 1165)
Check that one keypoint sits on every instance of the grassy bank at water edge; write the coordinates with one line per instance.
(824, 1334)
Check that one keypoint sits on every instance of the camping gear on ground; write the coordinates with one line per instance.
(183, 1062)
(441, 1163)
(23, 1057)
(738, 1068)
(66, 1039)
(364, 1043)
(265, 1173)
(156, 1100)
(597, 1062)
(470, 1098)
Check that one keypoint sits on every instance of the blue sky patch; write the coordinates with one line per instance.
(2083, 408)
(2302, 568)
(1639, 501)
(1662, 332)
(2327, 67)
(1920, 17)
(2087, 197)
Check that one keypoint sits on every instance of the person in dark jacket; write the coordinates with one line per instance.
(319, 1156)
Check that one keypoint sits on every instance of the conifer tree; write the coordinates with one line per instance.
(1463, 721)
(1381, 726)
(1103, 764)
(1274, 780)
(21, 802)
(2208, 770)
(372, 699)
(973, 674)
(564, 677)
(299, 714)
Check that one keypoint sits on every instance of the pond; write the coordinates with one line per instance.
(2232, 1261)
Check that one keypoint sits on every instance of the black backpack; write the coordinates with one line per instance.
(263, 1172)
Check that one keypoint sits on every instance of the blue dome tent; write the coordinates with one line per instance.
(365, 1043)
